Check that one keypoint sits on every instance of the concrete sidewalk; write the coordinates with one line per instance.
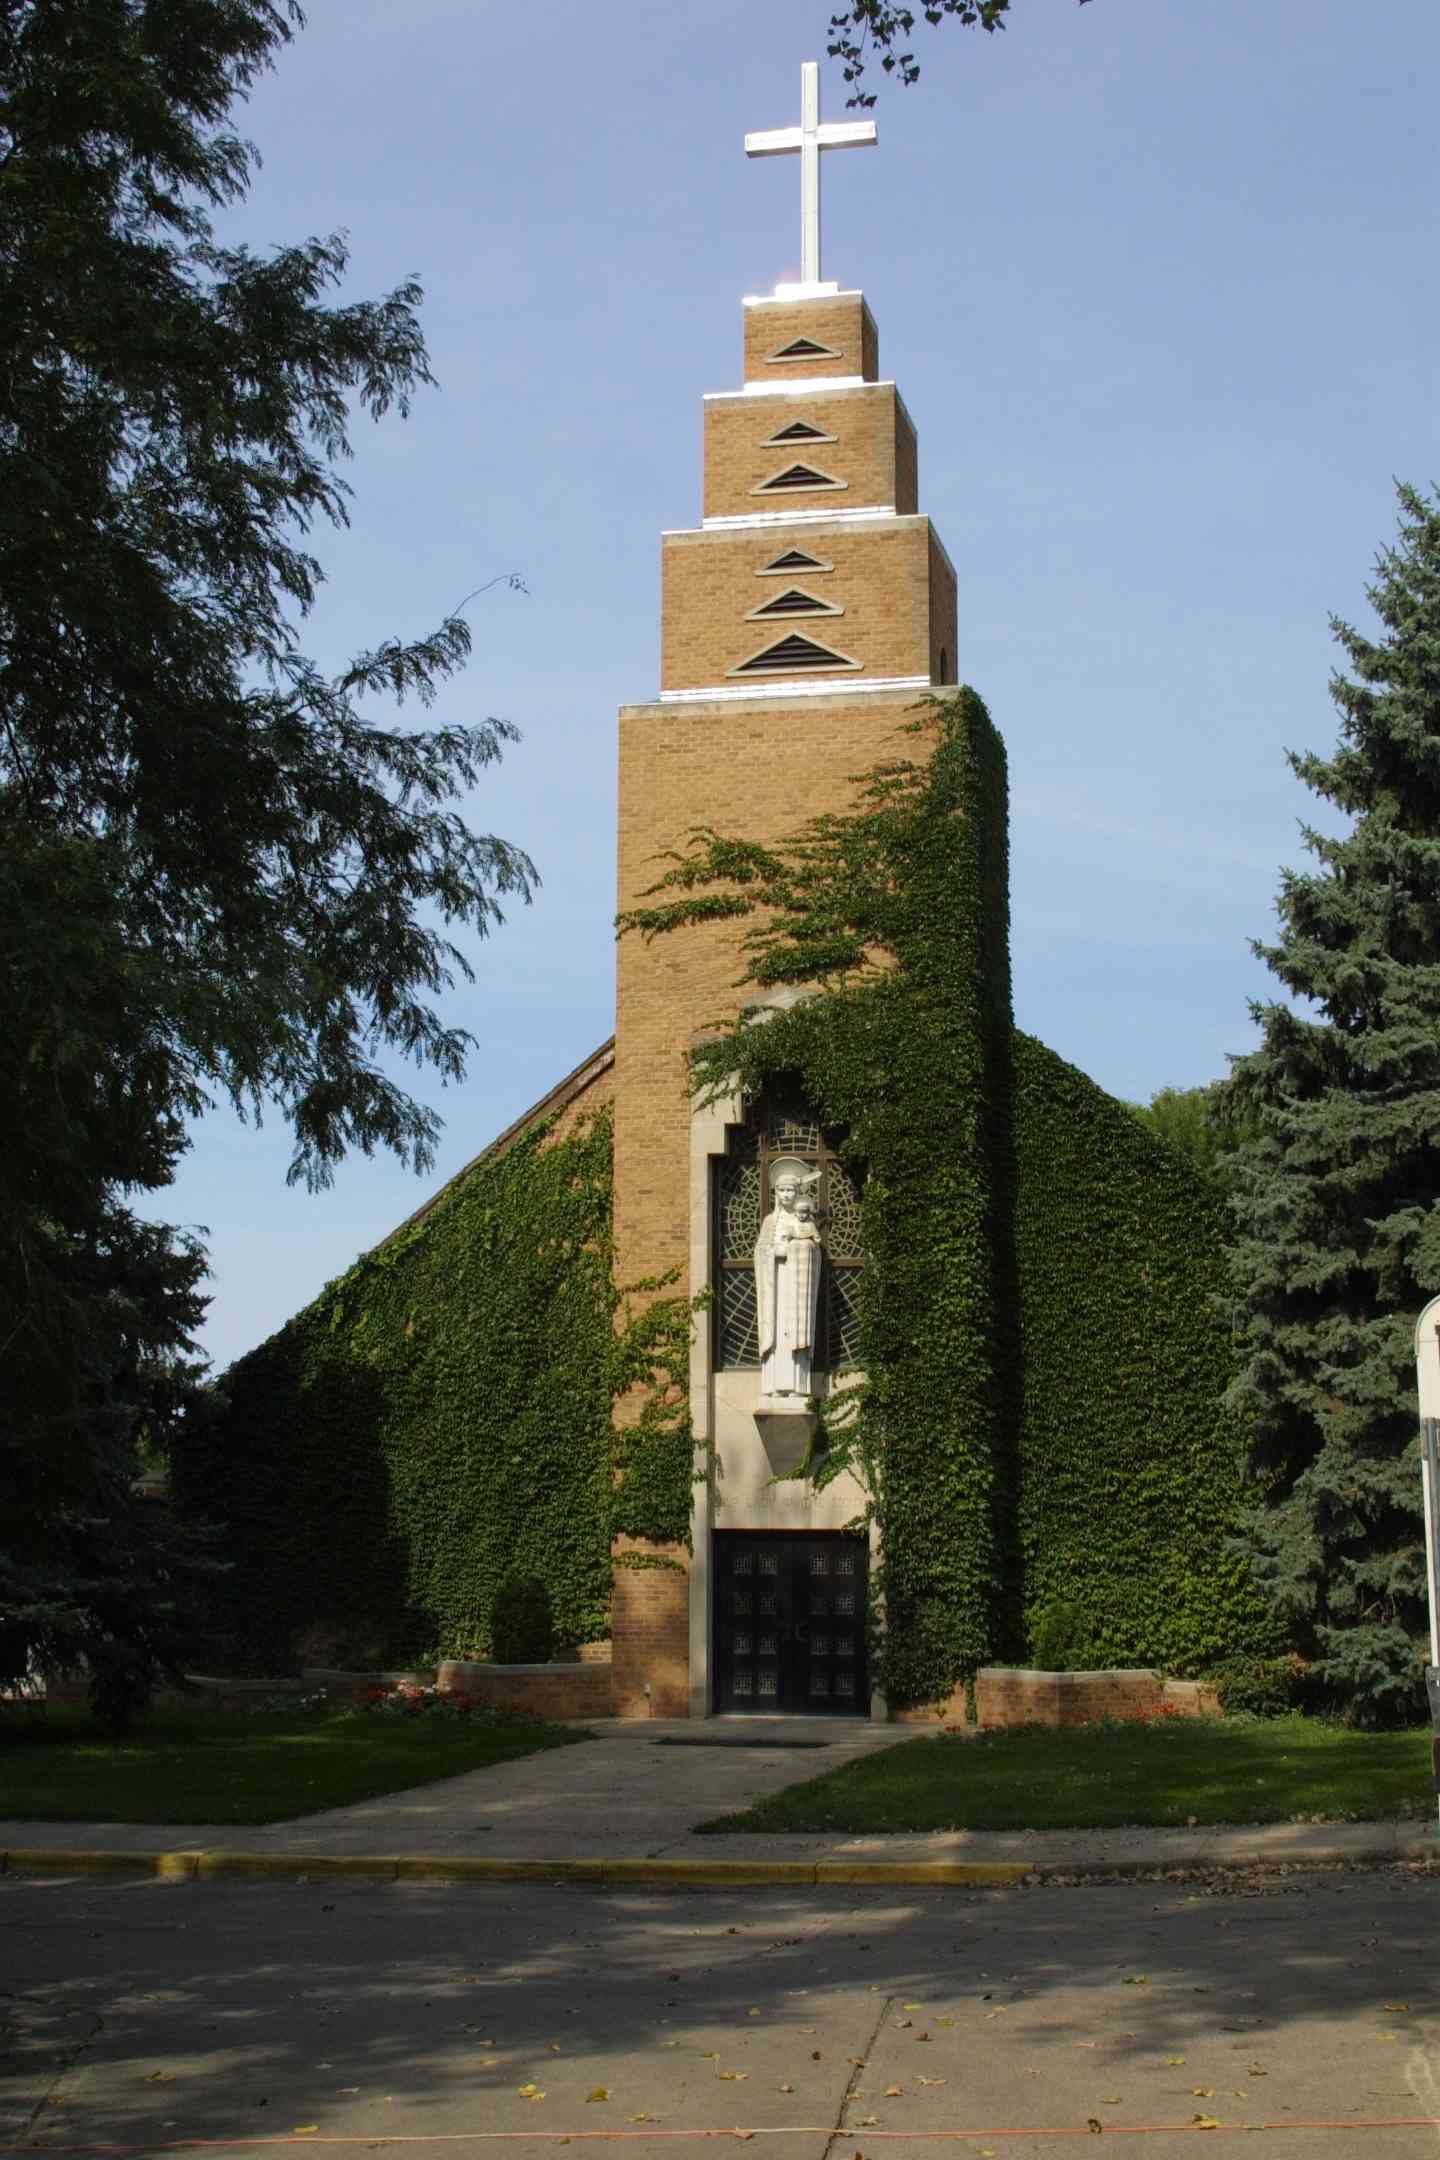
(636, 1792)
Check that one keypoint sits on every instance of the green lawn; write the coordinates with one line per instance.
(223, 1767)
(1106, 1776)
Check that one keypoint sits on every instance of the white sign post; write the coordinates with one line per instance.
(1427, 1373)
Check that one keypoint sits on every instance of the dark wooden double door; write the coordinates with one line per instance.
(790, 1623)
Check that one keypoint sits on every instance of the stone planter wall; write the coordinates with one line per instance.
(566, 1692)
(576, 1687)
(1008, 1695)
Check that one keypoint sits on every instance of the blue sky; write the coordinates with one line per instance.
(1157, 282)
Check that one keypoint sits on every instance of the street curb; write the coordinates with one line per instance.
(217, 1864)
(438, 1867)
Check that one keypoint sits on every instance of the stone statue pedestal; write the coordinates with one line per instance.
(786, 1427)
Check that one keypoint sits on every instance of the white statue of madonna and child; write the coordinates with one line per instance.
(788, 1255)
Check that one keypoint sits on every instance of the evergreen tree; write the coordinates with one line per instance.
(219, 875)
(1337, 1192)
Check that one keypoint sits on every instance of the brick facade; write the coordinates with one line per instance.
(650, 1628)
(866, 446)
(882, 579)
(840, 321)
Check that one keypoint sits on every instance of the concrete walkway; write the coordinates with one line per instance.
(637, 1791)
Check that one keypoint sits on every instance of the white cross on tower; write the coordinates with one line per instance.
(810, 138)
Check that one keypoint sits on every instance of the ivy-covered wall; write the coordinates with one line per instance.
(438, 1416)
(1130, 1471)
(1041, 1422)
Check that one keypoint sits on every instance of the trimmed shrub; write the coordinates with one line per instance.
(522, 1624)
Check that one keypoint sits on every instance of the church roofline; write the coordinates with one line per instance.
(559, 1098)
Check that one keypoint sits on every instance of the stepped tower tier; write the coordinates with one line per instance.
(812, 566)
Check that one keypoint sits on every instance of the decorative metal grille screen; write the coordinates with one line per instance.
(779, 1128)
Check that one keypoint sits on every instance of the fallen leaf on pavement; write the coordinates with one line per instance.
(1138, 1980)
(733, 2077)
(1205, 2122)
(930, 2081)
(305, 2129)
(1094, 2125)
(162, 2077)
(1203, 2092)
(530, 2092)
(598, 2092)
(785, 2088)
(893, 2092)
(912, 2006)
(1173, 2060)
(643, 2117)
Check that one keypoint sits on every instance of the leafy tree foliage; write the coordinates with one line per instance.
(878, 26)
(1339, 1237)
(1201, 1123)
(220, 875)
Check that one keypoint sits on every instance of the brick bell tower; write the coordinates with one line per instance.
(801, 620)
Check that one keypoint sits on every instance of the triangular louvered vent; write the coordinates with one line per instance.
(797, 476)
(792, 655)
(794, 559)
(793, 602)
(799, 431)
(804, 348)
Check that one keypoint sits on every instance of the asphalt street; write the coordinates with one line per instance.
(1295, 2013)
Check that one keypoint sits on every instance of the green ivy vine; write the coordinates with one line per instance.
(439, 1417)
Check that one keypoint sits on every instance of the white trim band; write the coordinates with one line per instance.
(796, 386)
(728, 692)
(795, 517)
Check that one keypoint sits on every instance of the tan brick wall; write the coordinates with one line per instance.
(759, 767)
(907, 463)
(841, 320)
(873, 443)
(563, 1692)
(869, 345)
(944, 629)
(1007, 1695)
(881, 578)
(650, 1608)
